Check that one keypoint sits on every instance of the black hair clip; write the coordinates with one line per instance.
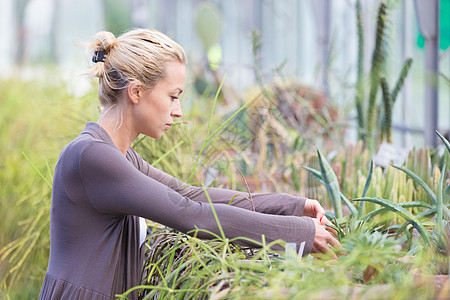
(99, 56)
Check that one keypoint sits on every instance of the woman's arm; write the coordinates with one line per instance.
(268, 203)
(114, 186)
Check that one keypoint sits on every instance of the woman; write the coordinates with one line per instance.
(103, 189)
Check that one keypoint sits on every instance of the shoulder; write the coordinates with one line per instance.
(85, 149)
(79, 145)
(97, 152)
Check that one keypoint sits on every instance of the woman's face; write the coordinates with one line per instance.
(160, 105)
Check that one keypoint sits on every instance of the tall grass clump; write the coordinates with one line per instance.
(37, 120)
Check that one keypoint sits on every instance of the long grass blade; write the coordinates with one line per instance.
(167, 153)
(208, 138)
(222, 233)
(36, 169)
(231, 117)
(211, 114)
(208, 129)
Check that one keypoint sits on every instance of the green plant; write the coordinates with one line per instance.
(390, 97)
(369, 121)
(377, 62)
(359, 96)
(400, 202)
(369, 253)
(31, 143)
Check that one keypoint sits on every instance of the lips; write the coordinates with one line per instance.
(168, 125)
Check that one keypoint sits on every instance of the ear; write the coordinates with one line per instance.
(135, 91)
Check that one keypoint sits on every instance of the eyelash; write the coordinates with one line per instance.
(174, 98)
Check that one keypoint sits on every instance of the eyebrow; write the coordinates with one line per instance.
(178, 89)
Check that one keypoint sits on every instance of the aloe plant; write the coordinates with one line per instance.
(331, 183)
(402, 212)
(328, 178)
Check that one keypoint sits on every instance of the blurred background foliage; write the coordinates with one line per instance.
(268, 51)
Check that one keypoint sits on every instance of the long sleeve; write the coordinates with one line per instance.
(114, 186)
(98, 196)
(268, 203)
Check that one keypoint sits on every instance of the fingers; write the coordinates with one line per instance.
(320, 213)
(324, 221)
(325, 250)
(323, 240)
(334, 243)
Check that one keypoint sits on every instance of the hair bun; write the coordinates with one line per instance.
(104, 41)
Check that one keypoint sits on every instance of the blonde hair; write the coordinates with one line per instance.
(139, 54)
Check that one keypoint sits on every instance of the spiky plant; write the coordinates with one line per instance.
(377, 63)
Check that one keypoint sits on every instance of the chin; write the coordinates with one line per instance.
(155, 136)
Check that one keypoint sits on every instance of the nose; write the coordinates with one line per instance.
(176, 111)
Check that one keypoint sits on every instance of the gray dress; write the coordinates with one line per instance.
(99, 195)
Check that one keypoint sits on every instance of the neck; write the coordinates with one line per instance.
(115, 123)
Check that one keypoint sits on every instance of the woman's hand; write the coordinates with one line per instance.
(313, 209)
(323, 240)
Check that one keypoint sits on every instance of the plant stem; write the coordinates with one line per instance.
(377, 61)
(359, 97)
(387, 101)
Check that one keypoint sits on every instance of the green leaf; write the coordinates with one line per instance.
(37, 170)
(365, 190)
(369, 180)
(415, 204)
(166, 153)
(331, 184)
(402, 212)
(344, 199)
(444, 140)
(375, 212)
(382, 210)
(341, 234)
(222, 233)
(316, 173)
